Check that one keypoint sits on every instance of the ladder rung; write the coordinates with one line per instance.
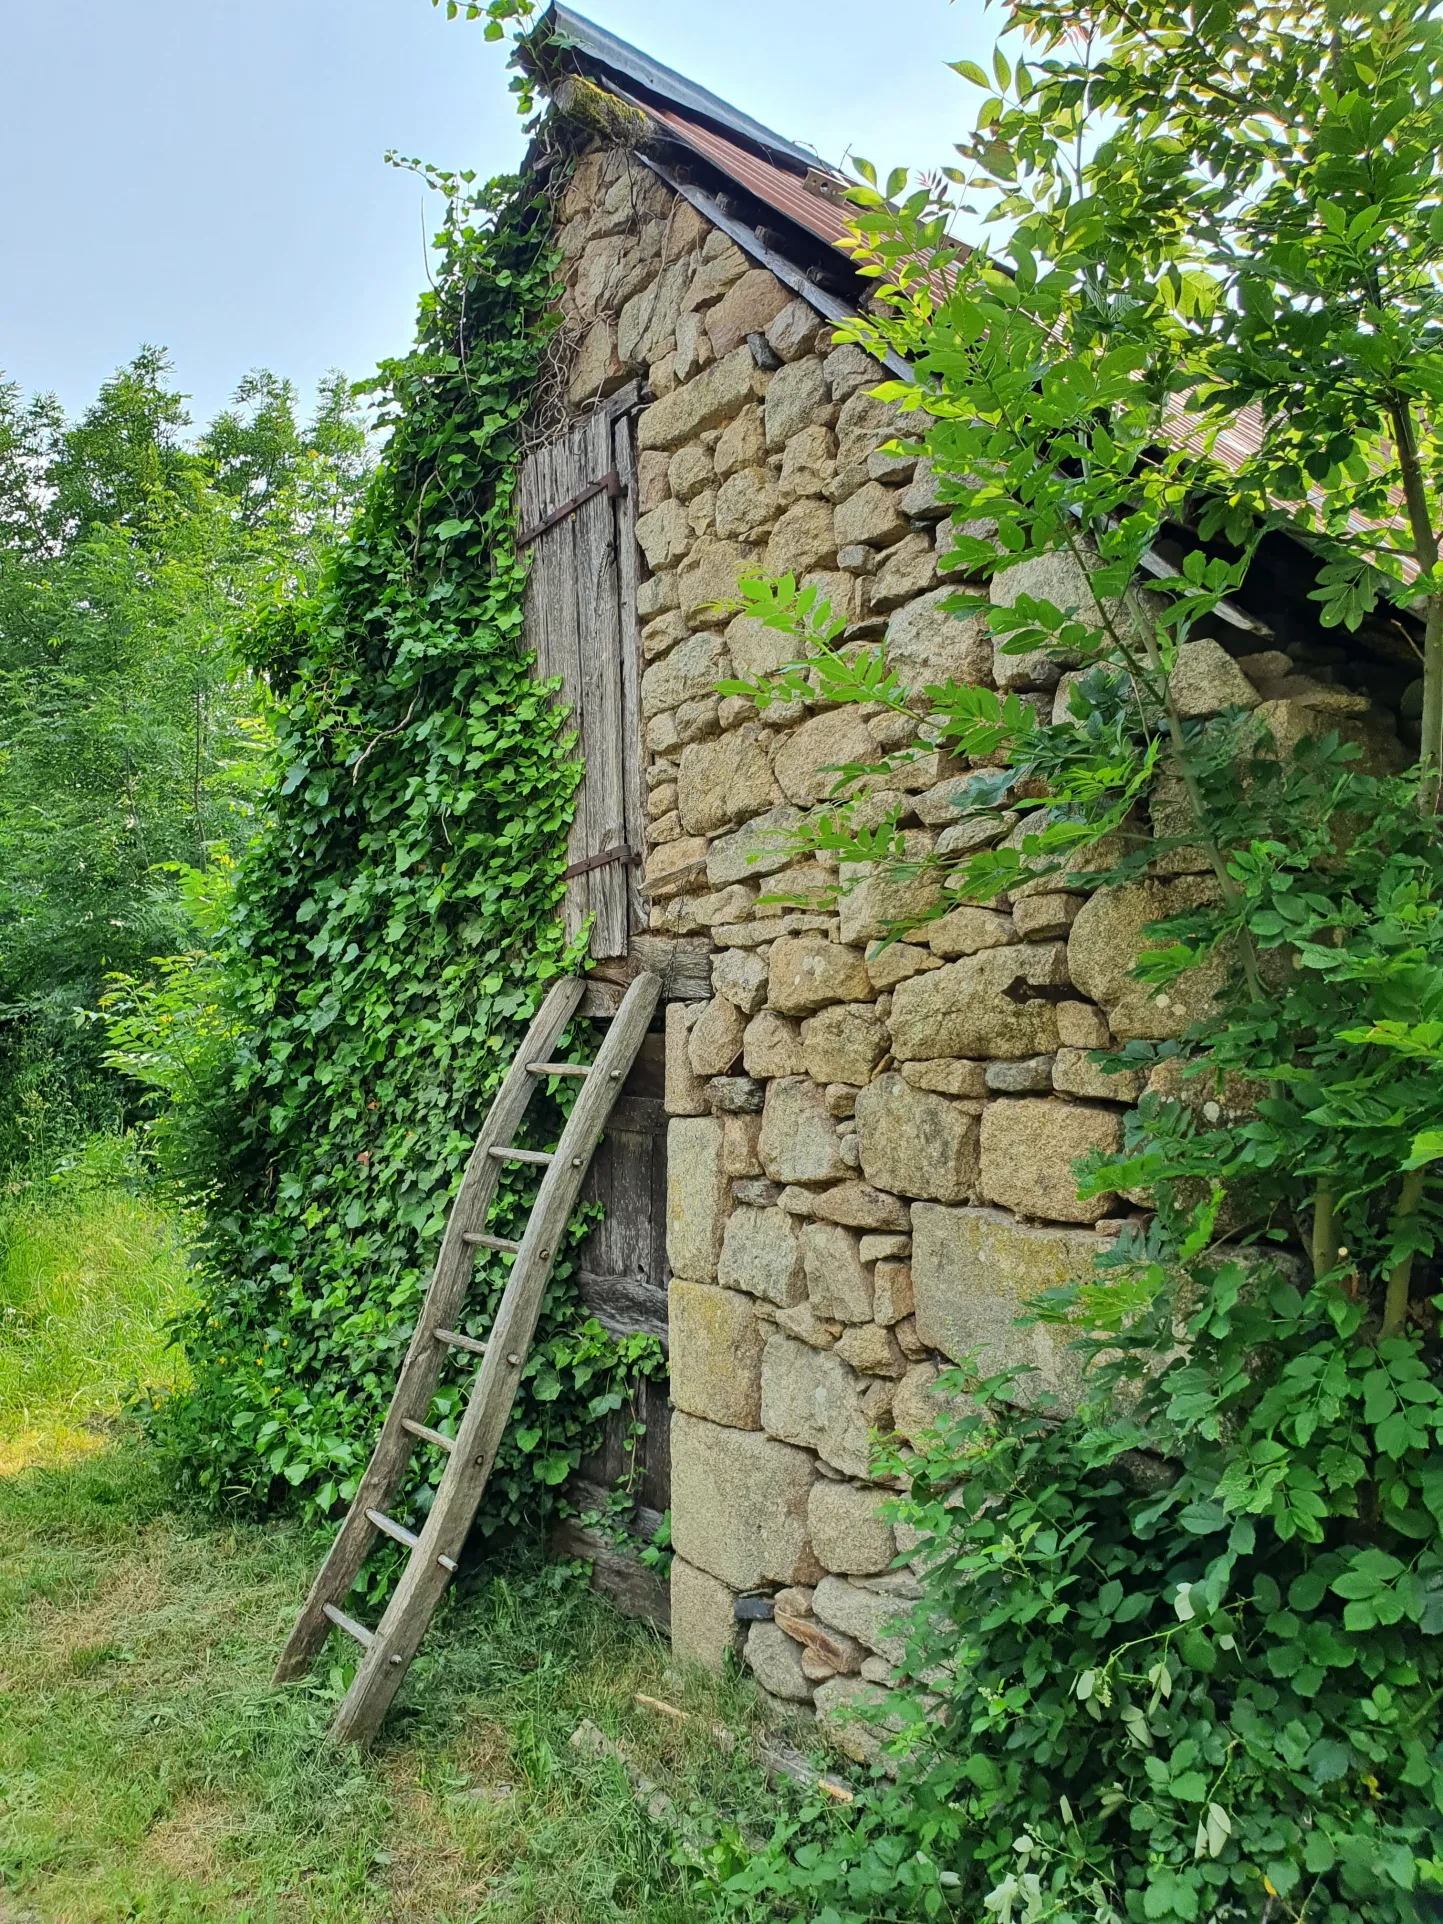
(521, 1155)
(447, 1443)
(477, 1241)
(408, 1537)
(364, 1637)
(458, 1341)
(391, 1528)
(558, 1069)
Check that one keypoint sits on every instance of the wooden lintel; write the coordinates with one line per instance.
(683, 963)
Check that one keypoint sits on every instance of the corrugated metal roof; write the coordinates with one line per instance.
(1242, 438)
(780, 190)
(621, 58)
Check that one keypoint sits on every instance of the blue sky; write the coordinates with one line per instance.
(209, 174)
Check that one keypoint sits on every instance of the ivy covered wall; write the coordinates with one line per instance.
(395, 924)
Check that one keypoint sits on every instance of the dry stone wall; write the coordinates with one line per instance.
(869, 1156)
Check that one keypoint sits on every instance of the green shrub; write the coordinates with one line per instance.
(1179, 1653)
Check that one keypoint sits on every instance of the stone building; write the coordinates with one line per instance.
(867, 1157)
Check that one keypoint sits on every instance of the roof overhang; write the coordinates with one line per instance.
(693, 124)
(561, 32)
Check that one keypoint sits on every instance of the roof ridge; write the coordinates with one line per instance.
(563, 28)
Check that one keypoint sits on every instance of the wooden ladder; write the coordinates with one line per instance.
(470, 1454)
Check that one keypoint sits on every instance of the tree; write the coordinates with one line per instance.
(1272, 177)
(124, 461)
(131, 731)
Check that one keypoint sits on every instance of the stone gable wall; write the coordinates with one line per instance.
(869, 1157)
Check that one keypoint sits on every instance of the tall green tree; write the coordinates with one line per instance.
(1270, 179)
(130, 732)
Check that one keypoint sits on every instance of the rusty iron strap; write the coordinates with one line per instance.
(623, 853)
(610, 484)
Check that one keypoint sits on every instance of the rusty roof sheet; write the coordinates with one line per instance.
(783, 191)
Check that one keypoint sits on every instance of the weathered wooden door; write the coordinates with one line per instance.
(624, 1271)
(576, 513)
(623, 1279)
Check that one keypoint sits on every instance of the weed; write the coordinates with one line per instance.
(91, 1272)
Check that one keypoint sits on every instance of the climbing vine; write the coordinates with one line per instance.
(392, 930)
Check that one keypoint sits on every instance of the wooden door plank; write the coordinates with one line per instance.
(426, 1355)
(412, 1603)
(635, 1590)
(548, 478)
(574, 625)
(656, 1447)
(633, 774)
(625, 1305)
(603, 795)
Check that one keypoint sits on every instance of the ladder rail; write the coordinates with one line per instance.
(412, 1603)
(421, 1371)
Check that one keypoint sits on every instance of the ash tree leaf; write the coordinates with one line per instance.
(1427, 1146)
(1328, 1760)
(1203, 1519)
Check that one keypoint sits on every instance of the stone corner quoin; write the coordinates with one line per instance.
(869, 1156)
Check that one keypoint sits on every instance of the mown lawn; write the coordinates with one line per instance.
(150, 1771)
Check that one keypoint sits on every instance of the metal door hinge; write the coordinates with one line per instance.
(610, 484)
(622, 853)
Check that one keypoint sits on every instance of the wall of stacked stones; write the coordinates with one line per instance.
(869, 1156)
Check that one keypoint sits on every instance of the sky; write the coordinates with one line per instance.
(209, 175)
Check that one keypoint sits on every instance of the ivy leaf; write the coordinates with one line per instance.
(1318, 1852)
(1427, 1601)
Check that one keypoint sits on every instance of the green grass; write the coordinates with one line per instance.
(90, 1275)
(149, 1770)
